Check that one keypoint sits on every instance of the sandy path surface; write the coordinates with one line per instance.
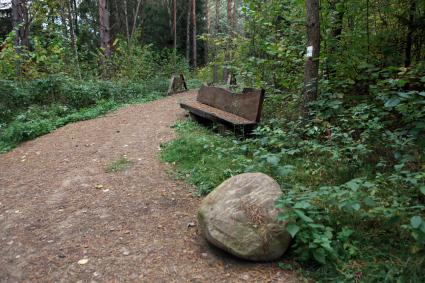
(63, 218)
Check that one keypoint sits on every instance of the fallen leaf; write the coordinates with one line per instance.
(83, 261)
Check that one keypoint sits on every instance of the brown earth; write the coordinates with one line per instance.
(64, 219)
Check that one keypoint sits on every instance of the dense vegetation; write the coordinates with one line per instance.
(353, 174)
(352, 167)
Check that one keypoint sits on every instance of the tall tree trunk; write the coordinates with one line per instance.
(217, 16)
(136, 15)
(226, 72)
(105, 37)
(207, 16)
(189, 11)
(18, 22)
(409, 36)
(336, 31)
(127, 28)
(74, 8)
(311, 72)
(175, 25)
(194, 54)
(64, 25)
(73, 36)
(235, 15)
(229, 15)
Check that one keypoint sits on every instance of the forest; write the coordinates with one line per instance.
(343, 123)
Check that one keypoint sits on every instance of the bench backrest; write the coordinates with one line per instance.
(248, 104)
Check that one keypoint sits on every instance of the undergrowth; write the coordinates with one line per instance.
(30, 109)
(353, 177)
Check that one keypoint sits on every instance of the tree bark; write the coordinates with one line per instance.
(64, 25)
(105, 37)
(19, 21)
(175, 25)
(226, 72)
(136, 15)
(336, 31)
(217, 16)
(73, 36)
(409, 36)
(194, 54)
(229, 15)
(127, 28)
(207, 16)
(311, 72)
(74, 8)
(235, 15)
(189, 11)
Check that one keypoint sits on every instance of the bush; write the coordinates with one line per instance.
(33, 108)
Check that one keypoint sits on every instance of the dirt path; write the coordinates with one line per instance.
(59, 206)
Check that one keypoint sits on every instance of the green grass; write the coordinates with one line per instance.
(119, 165)
(196, 155)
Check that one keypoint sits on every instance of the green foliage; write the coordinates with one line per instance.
(354, 172)
(33, 108)
(203, 165)
(134, 62)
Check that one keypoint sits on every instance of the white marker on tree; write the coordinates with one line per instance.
(309, 51)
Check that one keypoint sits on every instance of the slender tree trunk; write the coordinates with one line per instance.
(18, 14)
(64, 25)
(217, 16)
(367, 30)
(74, 8)
(136, 15)
(73, 36)
(226, 72)
(207, 16)
(175, 25)
(127, 28)
(409, 36)
(235, 15)
(194, 54)
(336, 31)
(189, 11)
(311, 72)
(18, 23)
(105, 37)
(229, 15)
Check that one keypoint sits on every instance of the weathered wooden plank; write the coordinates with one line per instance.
(215, 114)
(248, 104)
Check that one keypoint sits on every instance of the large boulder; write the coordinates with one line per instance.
(239, 216)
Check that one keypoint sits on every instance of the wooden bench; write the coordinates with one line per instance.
(239, 112)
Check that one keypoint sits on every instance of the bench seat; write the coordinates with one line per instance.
(240, 112)
(215, 114)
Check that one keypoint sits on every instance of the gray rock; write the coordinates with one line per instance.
(239, 216)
